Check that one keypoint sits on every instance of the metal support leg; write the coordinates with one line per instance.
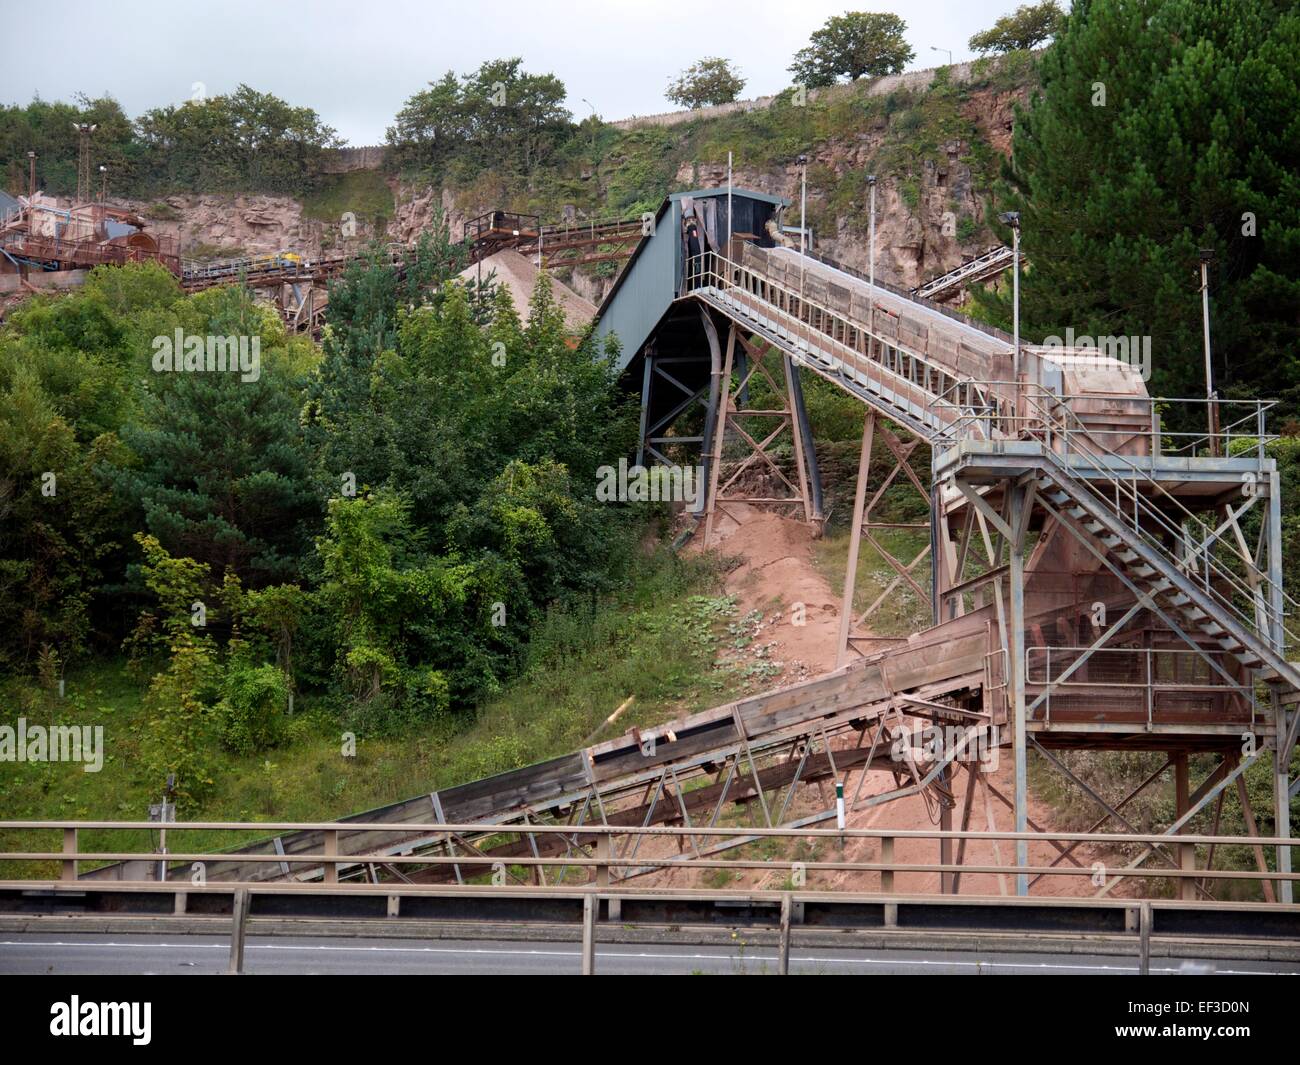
(588, 934)
(855, 540)
(1282, 755)
(783, 966)
(945, 825)
(1017, 669)
(1186, 851)
(647, 383)
(239, 924)
(719, 431)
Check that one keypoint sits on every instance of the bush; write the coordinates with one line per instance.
(250, 714)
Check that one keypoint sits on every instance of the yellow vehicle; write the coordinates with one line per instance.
(273, 259)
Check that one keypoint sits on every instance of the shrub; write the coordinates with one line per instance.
(250, 714)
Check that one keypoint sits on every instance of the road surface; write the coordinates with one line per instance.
(35, 953)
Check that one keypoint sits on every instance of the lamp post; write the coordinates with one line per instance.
(871, 251)
(1211, 399)
(948, 50)
(729, 188)
(103, 187)
(803, 203)
(594, 119)
(31, 174)
(84, 130)
(595, 178)
(1012, 219)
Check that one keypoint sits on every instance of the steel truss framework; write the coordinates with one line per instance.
(865, 526)
(1084, 597)
(1071, 510)
(770, 427)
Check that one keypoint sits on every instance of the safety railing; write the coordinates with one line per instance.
(284, 263)
(1127, 480)
(913, 297)
(1129, 486)
(995, 260)
(829, 339)
(1145, 415)
(20, 244)
(611, 852)
(1160, 676)
(592, 228)
(493, 223)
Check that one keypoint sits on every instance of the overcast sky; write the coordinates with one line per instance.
(356, 61)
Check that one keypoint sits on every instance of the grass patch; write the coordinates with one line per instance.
(363, 192)
(903, 612)
(659, 641)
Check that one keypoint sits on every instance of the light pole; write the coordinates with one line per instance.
(1212, 404)
(595, 168)
(948, 50)
(1012, 219)
(871, 253)
(31, 174)
(103, 188)
(803, 203)
(729, 189)
(84, 130)
(594, 120)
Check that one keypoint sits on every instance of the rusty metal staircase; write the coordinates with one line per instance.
(950, 383)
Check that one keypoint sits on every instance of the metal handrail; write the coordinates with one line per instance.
(939, 308)
(1142, 507)
(997, 256)
(1150, 686)
(607, 858)
(1054, 424)
(899, 384)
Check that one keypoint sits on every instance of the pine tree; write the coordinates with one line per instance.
(222, 475)
(1164, 127)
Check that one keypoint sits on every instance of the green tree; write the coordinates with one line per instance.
(244, 140)
(707, 82)
(499, 116)
(221, 474)
(430, 127)
(400, 615)
(46, 128)
(853, 45)
(1173, 107)
(1026, 27)
(58, 526)
(178, 740)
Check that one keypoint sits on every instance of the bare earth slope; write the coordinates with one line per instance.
(776, 574)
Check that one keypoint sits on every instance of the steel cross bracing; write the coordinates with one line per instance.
(981, 268)
(754, 752)
(1082, 598)
(1084, 466)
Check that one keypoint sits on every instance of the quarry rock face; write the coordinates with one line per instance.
(418, 207)
(919, 234)
(233, 225)
(927, 222)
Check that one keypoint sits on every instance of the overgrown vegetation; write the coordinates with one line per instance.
(658, 638)
(246, 140)
(1026, 27)
(378, 527)
(1173, 107)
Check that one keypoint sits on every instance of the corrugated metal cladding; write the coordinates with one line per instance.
(649, 283)
(646, 288)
